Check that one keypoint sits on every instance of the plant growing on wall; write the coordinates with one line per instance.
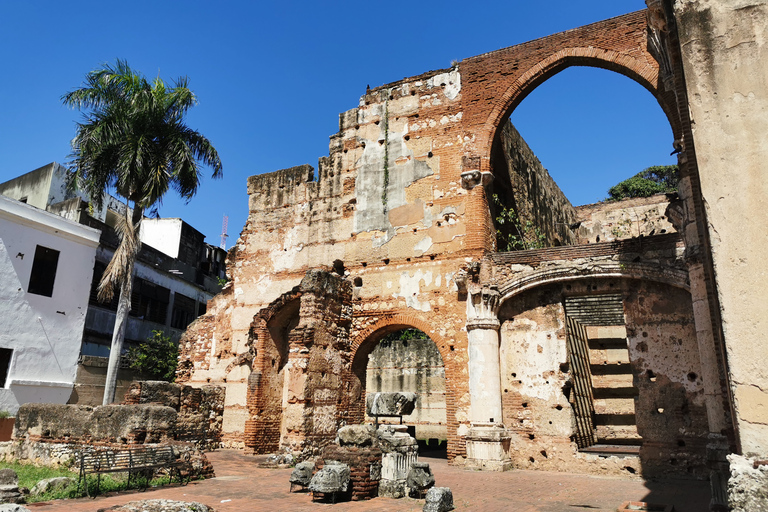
(133, 143)
(521, 236)
(156, 358)
(659, 179)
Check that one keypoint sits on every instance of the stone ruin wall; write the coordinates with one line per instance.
(387, 202)
(390, 204)
(54, 434)
(628, 218)
(665, 369)
(523, 184)
(199, 411)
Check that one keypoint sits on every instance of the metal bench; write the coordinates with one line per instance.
(134, 461)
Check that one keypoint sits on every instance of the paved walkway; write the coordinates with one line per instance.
(242, 486)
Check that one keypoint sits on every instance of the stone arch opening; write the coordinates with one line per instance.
(530, 207)
(427, 365)
(408, 360)
(271, 338)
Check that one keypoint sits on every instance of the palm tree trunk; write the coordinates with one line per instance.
(129, 249)
(118, 335)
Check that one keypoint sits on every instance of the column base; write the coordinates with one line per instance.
(488, 448)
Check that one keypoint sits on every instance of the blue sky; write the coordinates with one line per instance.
(272, 78)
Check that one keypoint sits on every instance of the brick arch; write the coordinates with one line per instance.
(366, 340)
(629, 270)
(639, 70)
(494, 83)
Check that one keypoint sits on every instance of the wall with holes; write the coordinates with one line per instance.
(645, 379)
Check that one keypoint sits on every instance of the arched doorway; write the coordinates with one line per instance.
(408, 360)
(414, 343)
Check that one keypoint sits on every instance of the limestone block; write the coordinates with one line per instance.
(439, 499)
(161, 506)
(747, 486)
(50, 484)
(161, 392)
(10, 494)
(13, 507)
(390, 404)
(392, 489)
(356, 435)
(8, 477)
(332, 478)
(420, 477)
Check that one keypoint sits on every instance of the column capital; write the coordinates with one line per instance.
(482, 307)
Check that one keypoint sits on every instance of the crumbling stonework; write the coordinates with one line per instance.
(199, 410)
(401, 213)
(54, 434)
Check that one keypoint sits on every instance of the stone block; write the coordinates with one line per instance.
(393, 489)
(50, 484)
(331, 479)
(302, 473)
(748, 485)
(356, 435)
(390, 404)
(8, 477)
(439, 499)
(420, 477)
(160, 392)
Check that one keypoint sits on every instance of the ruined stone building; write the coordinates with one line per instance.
(637, 330)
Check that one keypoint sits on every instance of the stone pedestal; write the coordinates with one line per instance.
(399, 453)
(488, 447)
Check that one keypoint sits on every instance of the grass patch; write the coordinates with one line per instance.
(30, 474)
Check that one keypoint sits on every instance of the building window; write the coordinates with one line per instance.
(98, 272)
(183, 311)
(149, 301)
(5, 365)
(43, 271)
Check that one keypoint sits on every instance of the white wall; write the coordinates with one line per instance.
(162, 234)
(44, 332)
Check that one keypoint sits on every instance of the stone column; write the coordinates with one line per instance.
(487, 440)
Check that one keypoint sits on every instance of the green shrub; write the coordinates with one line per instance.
(156, 358)
(659, 179)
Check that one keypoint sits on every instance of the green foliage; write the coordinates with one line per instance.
(659, 179)
(156, 358)
(29, 475)
(5, 414)
(406, 335)
(521, 236)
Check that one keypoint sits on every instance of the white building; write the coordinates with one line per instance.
(175, 275)
(46, 265)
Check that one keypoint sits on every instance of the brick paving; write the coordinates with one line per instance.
(242, 486)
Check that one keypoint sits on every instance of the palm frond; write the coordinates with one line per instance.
(120, 266)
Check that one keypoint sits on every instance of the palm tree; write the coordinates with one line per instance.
(133, 143)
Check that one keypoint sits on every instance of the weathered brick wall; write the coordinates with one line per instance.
(387, 208)
(661, 346)
(359, 459)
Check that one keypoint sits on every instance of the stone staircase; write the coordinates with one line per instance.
(614, 392)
